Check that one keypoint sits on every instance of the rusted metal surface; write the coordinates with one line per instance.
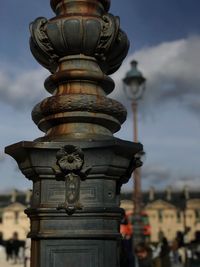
(80, 51)
(75, 212)
(63, 3)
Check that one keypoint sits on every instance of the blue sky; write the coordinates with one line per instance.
(165, 39)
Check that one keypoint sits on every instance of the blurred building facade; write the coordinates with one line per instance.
(169, 212)
(165, 211)
(12, 216)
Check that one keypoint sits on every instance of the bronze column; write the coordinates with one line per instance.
(78, 166)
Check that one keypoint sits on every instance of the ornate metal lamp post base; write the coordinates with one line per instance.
(78, 167)
(85, 230)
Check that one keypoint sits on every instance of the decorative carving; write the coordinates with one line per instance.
(134, 164)
(105, 3)
(69, 167)
(70, 158)
(110, 26)
(73, 102)
(95, 37)
(41, 46)
(118, 52)
(72, 187)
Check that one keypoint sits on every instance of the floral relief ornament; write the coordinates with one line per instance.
(69, 159)
(69, 168)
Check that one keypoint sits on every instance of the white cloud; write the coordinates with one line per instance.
(159, 176)
(2, 157)
(22, 89)
(172, 72)
(171, 68)
(155, 172)
(192, 182)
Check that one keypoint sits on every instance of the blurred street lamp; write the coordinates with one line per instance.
(134, 87)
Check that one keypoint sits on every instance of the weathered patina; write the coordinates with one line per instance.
(78, 166)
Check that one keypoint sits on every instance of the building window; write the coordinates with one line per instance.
(1, 216)
(197, 215)
(178, 216)
(160, 215)
(160, 235)
(16, 217)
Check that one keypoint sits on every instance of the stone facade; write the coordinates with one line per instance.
(14, 220)
(165, 212)
(12, 216)
(169, 212)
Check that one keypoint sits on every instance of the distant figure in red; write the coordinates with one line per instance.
(127, 257)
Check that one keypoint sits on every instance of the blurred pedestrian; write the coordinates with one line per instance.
(15, 247)
(27, 253)
(155, 252)
(9, 249)
(144, 255)
(176, 255)
(165, 253)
